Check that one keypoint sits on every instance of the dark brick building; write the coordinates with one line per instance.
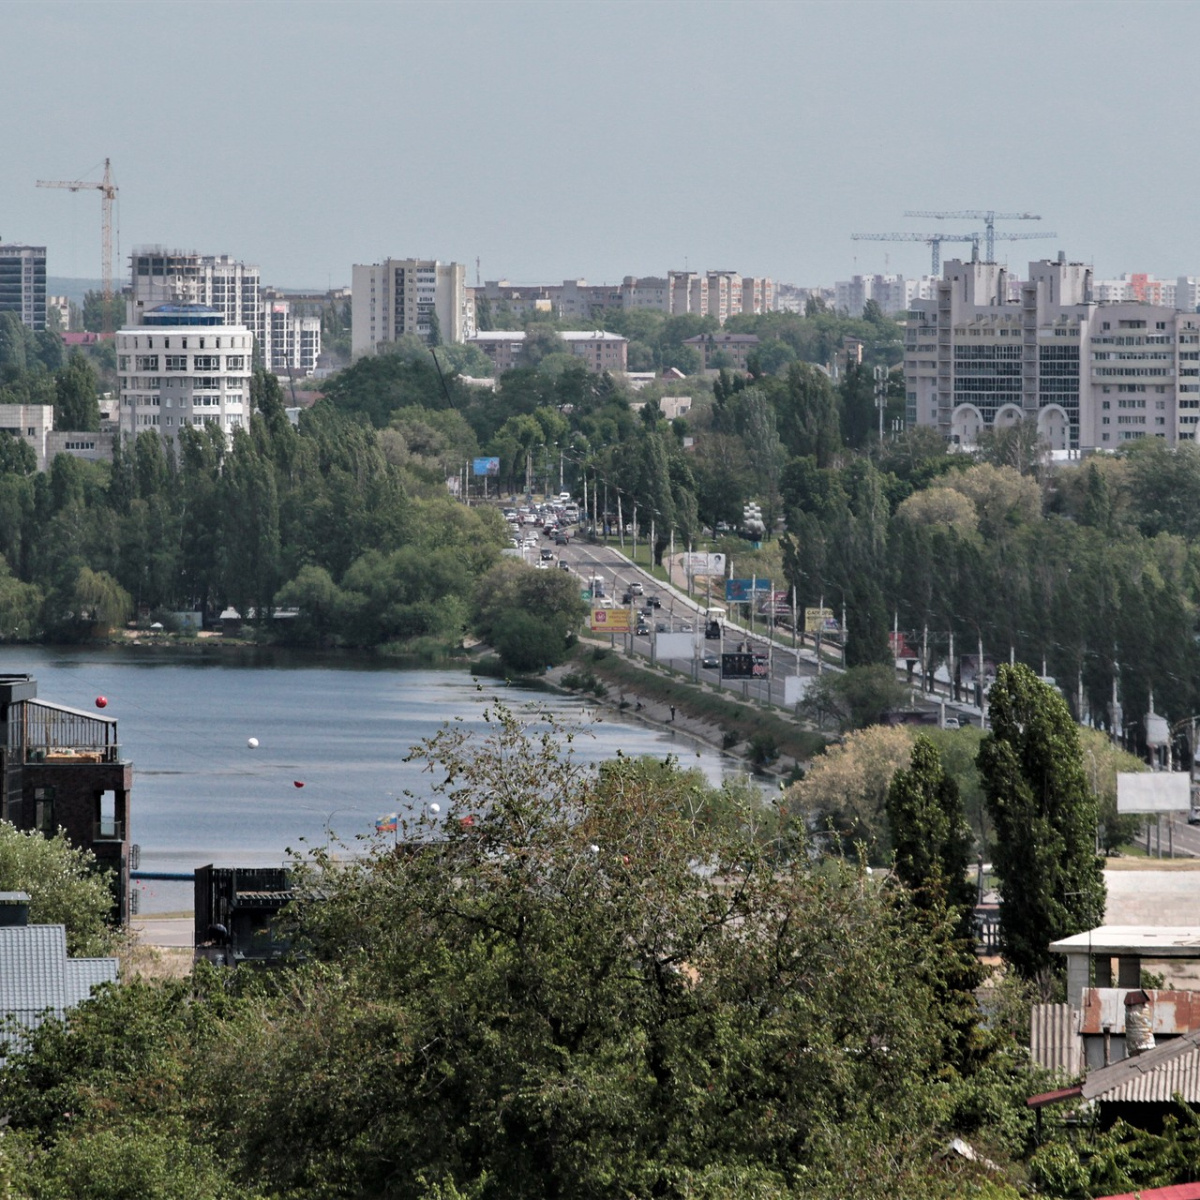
(62, 767)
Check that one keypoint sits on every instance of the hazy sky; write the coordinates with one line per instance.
(596, 139)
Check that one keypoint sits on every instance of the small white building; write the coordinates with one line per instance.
(183, 366)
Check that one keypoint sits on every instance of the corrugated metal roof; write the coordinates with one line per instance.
(36, 975)
(1177, 1191)
(1054, 1039)
(1153, 1077)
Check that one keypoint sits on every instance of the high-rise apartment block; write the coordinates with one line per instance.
(1091, 375)
(893, 293)
(23, 284)
(183, 364)
(159, 275)
(408, 295)
(289, 344)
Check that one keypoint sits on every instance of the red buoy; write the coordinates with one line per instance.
(297, 783)
(101, 702)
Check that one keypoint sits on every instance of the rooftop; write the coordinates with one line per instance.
(1144, 941)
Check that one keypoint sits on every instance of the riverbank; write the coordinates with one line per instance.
(662, 699)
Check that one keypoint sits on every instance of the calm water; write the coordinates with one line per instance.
(341, 727)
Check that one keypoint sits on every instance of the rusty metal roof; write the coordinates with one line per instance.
(1055, 1043)
(1153, 1077)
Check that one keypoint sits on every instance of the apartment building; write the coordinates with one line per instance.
(646, 292)
(688, 292)
(289, 344)
(734, 347)
(23, 284)
(408, 296)
(1091, 374)
(598, 350)
(160, 275)
(183, 364)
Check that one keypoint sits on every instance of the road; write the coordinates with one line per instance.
(679, 611)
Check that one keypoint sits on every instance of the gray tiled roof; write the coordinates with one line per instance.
(1172, 1066)
(36, 975)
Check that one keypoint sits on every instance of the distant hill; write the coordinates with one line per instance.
(73, 289)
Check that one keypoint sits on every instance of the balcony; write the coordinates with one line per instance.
(108, 829)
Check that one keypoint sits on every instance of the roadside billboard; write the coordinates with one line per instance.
(704, 564)
(744, 666)
(485, 466)
(819, 620)
(739, 591)
(1153, 791)
(675, 645)
(611, 620)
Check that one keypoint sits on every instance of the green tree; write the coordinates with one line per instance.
(64, 886)
(75, 404)
(930, 835)
(1044, 813)
(95, 312)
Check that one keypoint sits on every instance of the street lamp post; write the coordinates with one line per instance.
(881, 397)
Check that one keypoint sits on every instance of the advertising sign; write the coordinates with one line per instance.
(704, 564)
(738, 591)
(795, 688)
(485, 466)
(1153, 791)
(819, 620)
(675, 645)
(611, 620)
(744, 666)
(776, 605)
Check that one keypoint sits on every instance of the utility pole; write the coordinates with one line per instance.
(881, 398)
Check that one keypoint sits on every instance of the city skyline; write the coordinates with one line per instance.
(562, 141)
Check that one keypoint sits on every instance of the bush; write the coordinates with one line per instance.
(763, 748)
(527, 644)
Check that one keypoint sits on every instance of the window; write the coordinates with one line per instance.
(147, 362)
(206, 362)
(176, 362)
(44, 814)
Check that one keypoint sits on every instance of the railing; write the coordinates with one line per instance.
(51, 733)
(108, 830)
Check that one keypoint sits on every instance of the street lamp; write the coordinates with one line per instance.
(881, 397)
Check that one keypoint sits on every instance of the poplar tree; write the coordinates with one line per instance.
(1051, 884)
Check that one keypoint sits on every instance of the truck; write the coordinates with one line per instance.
(714, 621)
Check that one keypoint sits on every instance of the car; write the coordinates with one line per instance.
(561, 540)
(711, 660)
(547, 555)
(564, 565)
(627, 598)
(653, 602)
(642, 629)
(951, 723)
(542, 566)
(662, 627)
(636, 587)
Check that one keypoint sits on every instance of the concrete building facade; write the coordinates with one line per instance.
(160, 275)
(183, 365)
(23, 284)
(288, 343)
(1091, 375)
(598, 350)
(408, 296)
(737, 347)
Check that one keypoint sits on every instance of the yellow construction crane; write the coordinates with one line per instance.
(108, 193)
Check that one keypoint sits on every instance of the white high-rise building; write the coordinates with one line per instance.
(181, 365)
(288, 343)
(408, 295)
(159, 275)
(1091, 375)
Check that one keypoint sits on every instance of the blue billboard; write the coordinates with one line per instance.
(739, 591)
(485, 466)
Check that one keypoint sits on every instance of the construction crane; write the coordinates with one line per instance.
(933, 240)
(987, 216)
(108, 193)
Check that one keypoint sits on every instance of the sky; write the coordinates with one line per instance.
(558, 139)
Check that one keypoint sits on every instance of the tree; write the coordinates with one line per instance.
(845, 790)
(95, 312)
(1050, 878)
(852, 699)
(75, 404)
(930, 836)
(526, 644)
(64, 886)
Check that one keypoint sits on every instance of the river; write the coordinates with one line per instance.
(339, 725)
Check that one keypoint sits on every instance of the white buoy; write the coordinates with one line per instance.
(594, 848)
(435, 809)
(252, 743)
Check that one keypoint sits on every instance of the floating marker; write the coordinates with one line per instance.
(435, 809)
(252, 743)
(101, 701)
(297, 783)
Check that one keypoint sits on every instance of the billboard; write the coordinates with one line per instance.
(675, 645)
(704, 564)
(611, 620)
(485, 466)
(819, 620)
(795, 688)
(744, 666)
(739, 591)
(1153, 791)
